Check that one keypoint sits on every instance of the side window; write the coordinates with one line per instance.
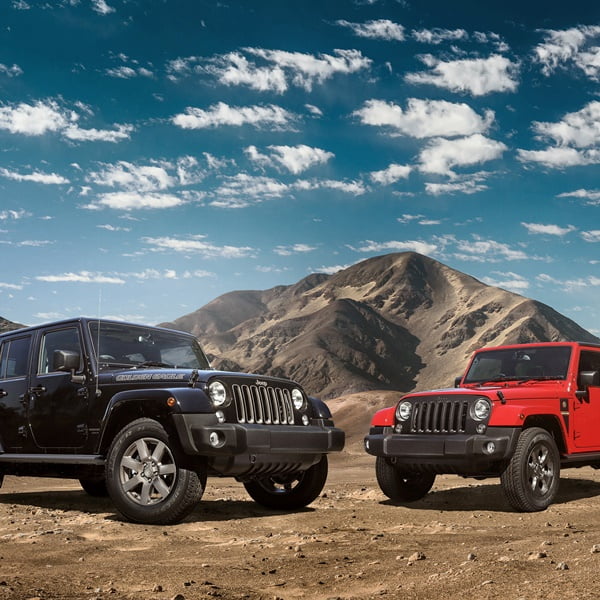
(589, 361)
(64, 339)
(13, 357)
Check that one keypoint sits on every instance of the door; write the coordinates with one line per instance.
(586, 413)
(14, 384)
(57, 407)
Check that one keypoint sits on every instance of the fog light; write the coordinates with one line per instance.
(490, 447)
(305, 420)
(214, 439)
(220, 416)
(398, 429)
(366, 444)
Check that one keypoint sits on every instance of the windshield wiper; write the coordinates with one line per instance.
(152, 363)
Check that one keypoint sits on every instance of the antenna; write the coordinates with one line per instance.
(98, 344)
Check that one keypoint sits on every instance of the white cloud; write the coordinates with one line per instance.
(559, 158)
(136, 201)
(279, 69)
(81, 277)
(356, 188)
(295, 159)
(331, 270)
(473, 185)
(481, 250)
(509, 281)
(441, 155)
(196, 244)
(41, 118)
(556, 230)
(10, 286)
(382, 29)
(294, 249)
(133, 177)
(592, 196)
(109, 227)
(241, 190)
(391, 174)
(78, 134)
(307, 69)
(5, 215)
(591, 236)
(101, 7)
(35, 177)
(13, 71)
(579, 129)
(397, 246)
(589, 63)
(314, 110)
(425, 118)
(235, 69)
(223, 114)
(36, 119)
(569, 285)
(438, 35)
(561, 47)
(478, 76)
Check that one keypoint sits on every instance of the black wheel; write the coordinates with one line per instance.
(287, 492)
(1, 479)
(144, 479)
(530, 481)
(402, 486)
(94, 487)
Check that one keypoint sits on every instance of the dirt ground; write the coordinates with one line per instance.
(462, 539)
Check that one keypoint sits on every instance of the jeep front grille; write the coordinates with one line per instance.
(439, 416)
(263, 404)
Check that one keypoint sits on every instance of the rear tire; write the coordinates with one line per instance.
(289, 492)
(144, 477)
(531, 479)
(402, 486)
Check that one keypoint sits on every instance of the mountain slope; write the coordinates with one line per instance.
(396, 321)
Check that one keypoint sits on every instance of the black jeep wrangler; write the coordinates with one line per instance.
(137, 413)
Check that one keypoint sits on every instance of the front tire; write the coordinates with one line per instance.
(402, 486)
(289, 492)
(530, 481)
(144, 477)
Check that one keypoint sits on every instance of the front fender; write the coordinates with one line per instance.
(153, 402)
(384, 417)
(320, 410)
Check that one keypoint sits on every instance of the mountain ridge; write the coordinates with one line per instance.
(396, 321)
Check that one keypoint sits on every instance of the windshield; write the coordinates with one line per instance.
(120, 344)
(521, 364)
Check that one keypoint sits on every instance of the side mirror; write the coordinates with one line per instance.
(457, 381)
(67, 360)
(585, 380)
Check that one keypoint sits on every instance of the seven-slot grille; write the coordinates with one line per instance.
(440, 415)
(263, 404)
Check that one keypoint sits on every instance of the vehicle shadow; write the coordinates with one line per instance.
(491, 498)
(77, 500)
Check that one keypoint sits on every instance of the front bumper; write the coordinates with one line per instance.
(463, 454)
(243, 449)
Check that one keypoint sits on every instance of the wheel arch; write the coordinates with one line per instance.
(552, 425)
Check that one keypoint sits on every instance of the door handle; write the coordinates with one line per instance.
(38, 389)
(3, 393)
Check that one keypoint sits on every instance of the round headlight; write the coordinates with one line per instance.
(297, 399)
(481, 409)
(217, 393)
(403, 411)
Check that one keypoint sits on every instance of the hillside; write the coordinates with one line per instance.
(6, 325)
(397, 321)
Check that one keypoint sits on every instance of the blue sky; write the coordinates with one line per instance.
(158, 153)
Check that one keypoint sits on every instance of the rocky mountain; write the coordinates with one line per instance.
(6, 325)
(397, 321)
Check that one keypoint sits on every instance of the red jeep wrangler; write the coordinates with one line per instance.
(520, 412)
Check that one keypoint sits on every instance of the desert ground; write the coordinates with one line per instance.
(462, 539)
